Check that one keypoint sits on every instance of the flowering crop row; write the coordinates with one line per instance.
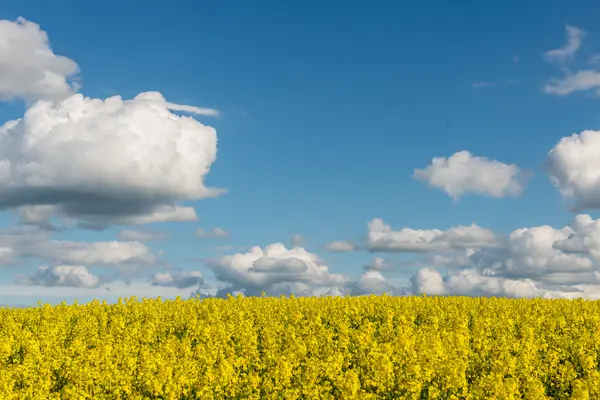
(377, 347)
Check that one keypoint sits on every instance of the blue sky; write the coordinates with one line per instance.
(326, 109)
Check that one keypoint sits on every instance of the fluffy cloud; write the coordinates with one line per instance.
(381, 237)
(33, 242)
(371, 282)
(574, 169)
(537, 261)
(71, 276)
(263, 270)
(340, 246)
(532, 252)
(182, 280)
(53, 161)
(463, 173)
(280, 265)
(29, 69)
(56, 156)
(574, 39)
(213, 233)
(584, 237)
(93, 253)
(472, 283)
(428, 281)
(378, 264)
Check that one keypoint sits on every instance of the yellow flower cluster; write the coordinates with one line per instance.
(376, 347)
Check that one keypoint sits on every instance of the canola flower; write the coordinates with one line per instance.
(377, 347)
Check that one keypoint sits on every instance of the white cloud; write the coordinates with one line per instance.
(378, 264)
(381, 237)
(584, 237)
(340, 246)
(53, 161)
(262, 270)
(71, 276)
(582, 80)
(574, 168)
(574, 39)
(463, 173)
(92, 253)
(192, 109)
(131, 235)
(532, 253)
(452, 260)
(470, 282)
(181, 280)
(56, 155)
(578, 81)
(29, 69)
(126, 259)
(290, 265)
(213, 233)
(428, 281)
(537, 261)
(371, 282)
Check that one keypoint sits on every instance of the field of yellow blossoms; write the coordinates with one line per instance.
(377, 347)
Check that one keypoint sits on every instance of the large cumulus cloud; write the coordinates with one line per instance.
(106, 160)
(96, 161)
(274, 269)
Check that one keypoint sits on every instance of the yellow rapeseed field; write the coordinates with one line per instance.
(377, 347)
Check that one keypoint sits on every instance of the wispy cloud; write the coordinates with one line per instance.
(487, 84)
(568, 50)
(572, 81)
(482, 84)
(594, 59)
(192, 109)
